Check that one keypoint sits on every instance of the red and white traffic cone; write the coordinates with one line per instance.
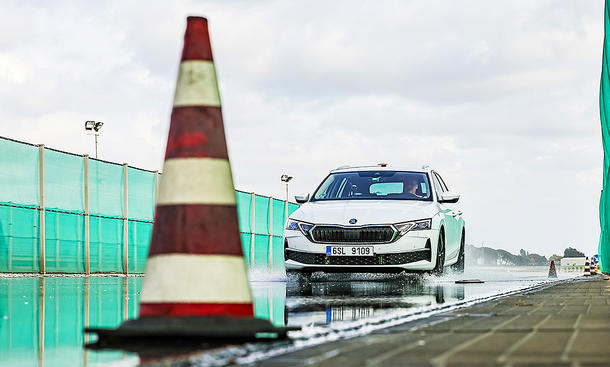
(587, 268)
(196, 283)
(195, 263)
(552, 270)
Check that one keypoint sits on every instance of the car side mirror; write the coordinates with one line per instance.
(301, 199)
(448, 197)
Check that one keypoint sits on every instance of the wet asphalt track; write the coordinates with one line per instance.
(327, 307)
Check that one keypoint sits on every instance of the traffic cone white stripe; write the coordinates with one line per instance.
(196, 279)
(197, 84)
(196, 181)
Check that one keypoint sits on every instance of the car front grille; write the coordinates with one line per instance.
(380, 259)
(334, 234)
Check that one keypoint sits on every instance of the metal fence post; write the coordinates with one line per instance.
(252, 228)
(286, 209)
(156, 178)
(41, 321)
(271, 232)
(10, 239)
(270, 300)
(42, 241)
(86, 321)
(87, 236)
(125, 221)
(125, 299)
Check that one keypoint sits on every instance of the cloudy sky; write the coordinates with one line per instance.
(501, 97)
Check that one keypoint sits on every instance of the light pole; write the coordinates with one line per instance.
(286, 178)
(94, 128)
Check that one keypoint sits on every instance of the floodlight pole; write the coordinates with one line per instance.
(286, 179)
(94, 128)
(286, 205)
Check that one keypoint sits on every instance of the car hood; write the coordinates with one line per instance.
(364, 211)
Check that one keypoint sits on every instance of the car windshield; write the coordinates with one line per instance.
(390, 185)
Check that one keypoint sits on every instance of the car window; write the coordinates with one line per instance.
(437, 185)
(401, 185)
(445, 188)
(329, 186)
(341, 188)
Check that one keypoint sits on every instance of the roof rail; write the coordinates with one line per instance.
(373, 166)
(361, 166)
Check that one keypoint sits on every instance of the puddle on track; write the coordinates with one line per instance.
(42, 319)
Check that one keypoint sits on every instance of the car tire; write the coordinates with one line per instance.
(458, 267)
(439, 267)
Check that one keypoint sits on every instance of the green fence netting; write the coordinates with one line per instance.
(19, 173)
(105, 188)
(64, 181)
(279, 219)
(65, 242)
(261, 218)
(106, 245)
(141, 194)
(604, 100)
(19, 239)
(139, 239)
(261, 215)
(244, 215)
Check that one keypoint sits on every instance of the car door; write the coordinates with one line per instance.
(452, 245)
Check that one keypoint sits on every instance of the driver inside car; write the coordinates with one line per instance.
(412, 187)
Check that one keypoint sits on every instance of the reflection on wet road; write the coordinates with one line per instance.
(41, 319)
(324, 302)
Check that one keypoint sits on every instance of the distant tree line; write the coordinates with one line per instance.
(569, 252)
(572, 252)
(489, 256)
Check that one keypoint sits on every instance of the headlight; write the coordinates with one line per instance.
(417, 225)
(296, 226)
(292, 225)
(306, 227)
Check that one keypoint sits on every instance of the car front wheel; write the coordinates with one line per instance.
(440, 255)
(458, 267)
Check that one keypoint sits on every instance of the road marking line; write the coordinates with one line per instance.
(502, 358)
(375, 361)
(566, 351)
(441, 360)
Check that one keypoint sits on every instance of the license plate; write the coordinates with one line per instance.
(349, 251)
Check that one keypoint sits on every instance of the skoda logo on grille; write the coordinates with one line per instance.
(353, 221)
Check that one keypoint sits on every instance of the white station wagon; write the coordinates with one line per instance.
(376, 219)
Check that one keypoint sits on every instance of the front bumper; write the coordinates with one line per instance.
(413, 251)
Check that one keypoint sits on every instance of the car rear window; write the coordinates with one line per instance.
(386, 188)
